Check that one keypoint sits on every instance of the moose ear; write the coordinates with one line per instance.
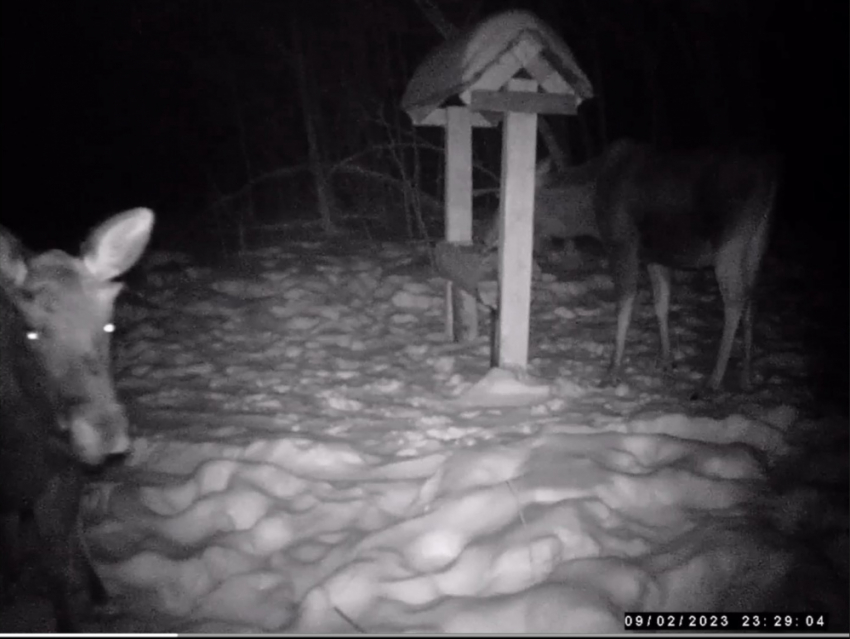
(114, 246)
(13, 263)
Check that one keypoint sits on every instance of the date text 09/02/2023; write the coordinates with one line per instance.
(728, 621)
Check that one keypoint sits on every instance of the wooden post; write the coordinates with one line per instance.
(516, 223)
(461, 309)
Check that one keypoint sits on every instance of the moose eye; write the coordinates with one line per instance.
(33, 335)
(109, 328)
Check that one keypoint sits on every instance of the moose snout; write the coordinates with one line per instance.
(96, 436)
(120, 444)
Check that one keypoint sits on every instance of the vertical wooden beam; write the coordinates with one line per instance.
(461, 308)
(516, 223)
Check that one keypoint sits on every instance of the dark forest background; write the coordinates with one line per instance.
(249, 122)
(224, 116)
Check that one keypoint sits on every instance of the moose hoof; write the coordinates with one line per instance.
(609, 380)
(706, 392)
(615, 381)
(666, 368)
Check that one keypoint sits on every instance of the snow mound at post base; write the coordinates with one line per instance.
(561, 532)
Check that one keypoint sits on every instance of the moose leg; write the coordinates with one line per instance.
(747, 327)
(659, 276)
(55, 518)
(732, 317)
(624, 268)
(729, 269)
(751, 265)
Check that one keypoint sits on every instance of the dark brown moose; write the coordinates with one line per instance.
(59, 413)
(686, 210)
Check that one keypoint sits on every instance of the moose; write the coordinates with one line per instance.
(563, 205)
(59, 414)
(685, 210)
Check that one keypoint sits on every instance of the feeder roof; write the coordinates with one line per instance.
(459, 63)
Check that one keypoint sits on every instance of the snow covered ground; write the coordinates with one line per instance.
(300, 466)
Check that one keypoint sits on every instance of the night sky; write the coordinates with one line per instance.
(120, 103)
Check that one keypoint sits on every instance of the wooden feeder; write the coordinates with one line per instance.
(510, 67)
